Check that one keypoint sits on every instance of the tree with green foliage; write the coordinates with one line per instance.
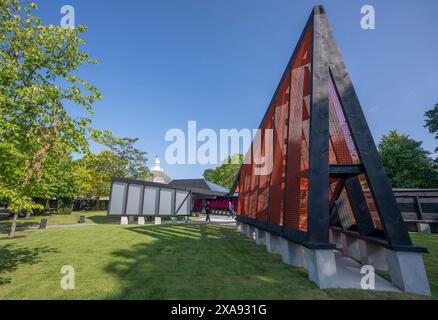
(133, 162)
(122, 160)
(95, 172)
(406, 163)
(225, 174)
(432, 120)
(432, 123)
(58, 179)
(39, 67)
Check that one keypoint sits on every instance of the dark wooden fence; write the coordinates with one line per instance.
(419, 208)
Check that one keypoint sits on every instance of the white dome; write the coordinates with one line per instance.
(156, 166)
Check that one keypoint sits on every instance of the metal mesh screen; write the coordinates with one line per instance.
(340, 203)
(342, 147)
(343, 151)
(370, 203)
(296, 211)
(276, 195)
(253, 197)
(281, 196)
(264, 179)
(241, 210)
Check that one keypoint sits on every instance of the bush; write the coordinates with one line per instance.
(65, 206)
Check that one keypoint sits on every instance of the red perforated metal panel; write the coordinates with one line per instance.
(342, 147)
(264, 179)
(276, 195)
(341, 204)
(244, 185)
(254, 184)
(370, 202)
(240, 211)
(296, 211)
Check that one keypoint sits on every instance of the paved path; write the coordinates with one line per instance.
(349, 276)
(214, 220)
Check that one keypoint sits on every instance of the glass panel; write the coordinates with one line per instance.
(180, 197)
(134, 199)
(117, 198)
(166, 205)
(149, 200)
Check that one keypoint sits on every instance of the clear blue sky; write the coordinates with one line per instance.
(165, 62)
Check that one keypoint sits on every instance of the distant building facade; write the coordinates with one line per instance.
(158, 174)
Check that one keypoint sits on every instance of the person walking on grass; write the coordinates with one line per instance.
(207, 211)
(230, 210)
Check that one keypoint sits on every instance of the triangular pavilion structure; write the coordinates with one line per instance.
(327, 185)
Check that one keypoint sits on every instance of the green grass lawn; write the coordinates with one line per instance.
(62, 219)
(163, 262)
(73, 218)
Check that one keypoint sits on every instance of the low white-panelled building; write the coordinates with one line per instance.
(136, 198)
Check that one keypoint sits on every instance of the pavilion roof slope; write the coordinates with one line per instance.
(200, 184)
(196, 189)
(216, 187)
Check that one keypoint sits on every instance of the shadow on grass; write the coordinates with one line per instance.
(20, 224)
(12, 258)
(103, 219)
(204, 262)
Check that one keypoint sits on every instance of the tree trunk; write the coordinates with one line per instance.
(13, 226)
(28, 213)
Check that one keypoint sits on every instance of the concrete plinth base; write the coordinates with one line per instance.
(374, 255)
(251, 232)
(423, 227)
(274, 244)
(174, 220)
(157, 220)
(335, 238)
(43, 224)
(350, 245)
(321, 266)
(140, 220)
(245, 229)
(408, 272)
(294, 254)
(260, 237)
(124, 220)
(248, 231)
